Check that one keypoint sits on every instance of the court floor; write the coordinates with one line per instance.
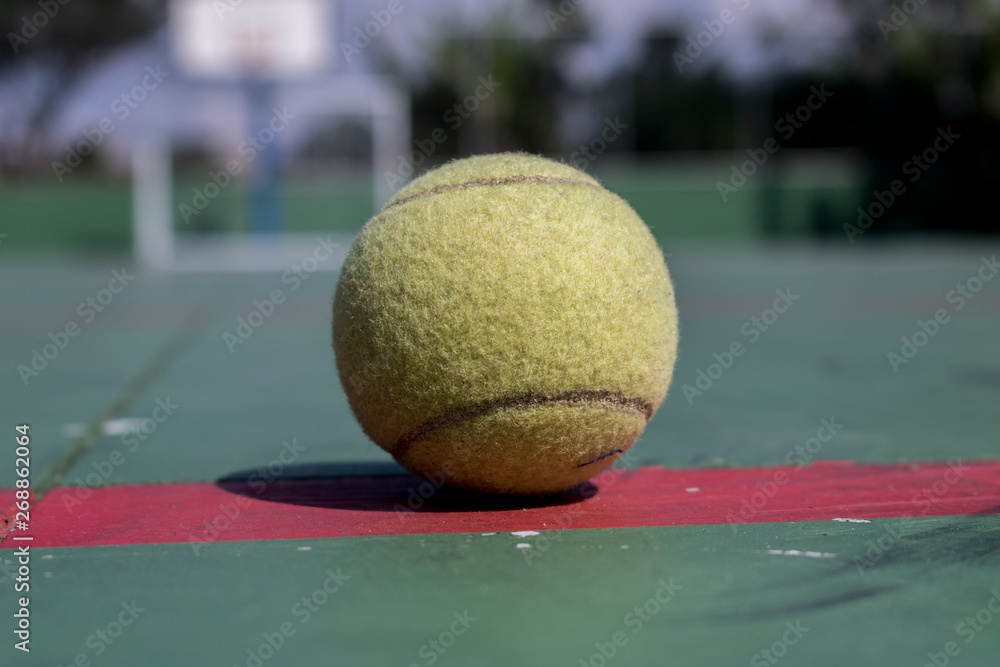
(830, 496)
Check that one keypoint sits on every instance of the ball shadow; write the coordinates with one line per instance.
(378, 487)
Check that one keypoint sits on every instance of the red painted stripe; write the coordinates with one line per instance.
(343, 507)
(10, 515)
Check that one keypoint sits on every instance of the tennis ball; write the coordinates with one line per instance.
(505, 325)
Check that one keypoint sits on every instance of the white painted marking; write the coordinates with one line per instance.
(73, 430)
(303, 548)
(853, 520)
(624, 546)
(488, 534)
(523, 545)
(110, 427)
(796, 552)
(692, 489)
(525, 533)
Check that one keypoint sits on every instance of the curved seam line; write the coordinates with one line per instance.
(589, 398)
(488, 181)
(602, 457)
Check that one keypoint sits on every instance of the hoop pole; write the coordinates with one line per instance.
(265, 194)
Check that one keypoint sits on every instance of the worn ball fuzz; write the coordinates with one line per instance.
(505, 325)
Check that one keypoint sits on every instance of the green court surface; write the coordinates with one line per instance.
(87, 213)
(884, 591)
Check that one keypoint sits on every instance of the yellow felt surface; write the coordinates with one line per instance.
(538, 450)
(464, 296)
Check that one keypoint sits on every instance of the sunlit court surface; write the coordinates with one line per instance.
(185, 478)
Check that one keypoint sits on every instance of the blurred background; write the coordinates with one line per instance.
(172, 172)
(168, 126)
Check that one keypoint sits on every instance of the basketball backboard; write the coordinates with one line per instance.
(251, 38)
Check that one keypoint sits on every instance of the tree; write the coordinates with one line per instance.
(57, 41)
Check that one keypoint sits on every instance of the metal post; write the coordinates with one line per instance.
(265, 178)
(152, 203)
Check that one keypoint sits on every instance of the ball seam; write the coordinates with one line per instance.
(584, 398)
(488, 181)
